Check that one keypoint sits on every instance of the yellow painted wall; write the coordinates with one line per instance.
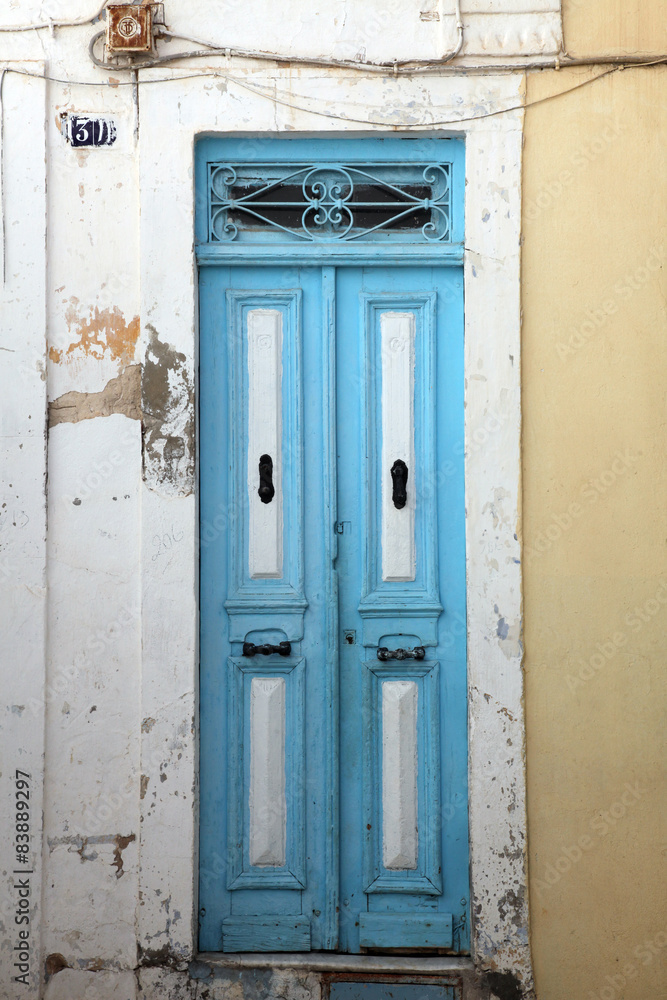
(595, 513)
(603, 27)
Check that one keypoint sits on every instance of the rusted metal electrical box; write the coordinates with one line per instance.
(130, 27)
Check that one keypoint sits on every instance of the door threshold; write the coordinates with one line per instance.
(321, 961)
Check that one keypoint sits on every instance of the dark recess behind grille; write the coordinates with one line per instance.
(364, 217)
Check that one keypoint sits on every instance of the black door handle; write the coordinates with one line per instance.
(266, 489)
(250, 649)
(418, 653)
(399, 477)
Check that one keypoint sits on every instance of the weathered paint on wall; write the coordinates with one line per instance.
(117, 682)
(595, 475)
(120, 679)
(345, 29)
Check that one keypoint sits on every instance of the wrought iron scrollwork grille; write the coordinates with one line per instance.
(330, 202)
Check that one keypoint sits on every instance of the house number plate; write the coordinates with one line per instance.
(88, 130)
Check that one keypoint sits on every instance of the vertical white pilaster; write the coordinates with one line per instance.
(23, 528)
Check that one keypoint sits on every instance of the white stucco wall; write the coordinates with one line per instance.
(99, 704)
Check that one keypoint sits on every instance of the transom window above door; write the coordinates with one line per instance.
(310, 202)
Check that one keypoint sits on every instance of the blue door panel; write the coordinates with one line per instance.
(381, 930)
(279, 933)
(236, 608)
(333, 777)
(385, 988)
(439, 880)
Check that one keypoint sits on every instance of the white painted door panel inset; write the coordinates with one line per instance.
(399, 775)
(265, 532)
(397, 333)
(268, 809)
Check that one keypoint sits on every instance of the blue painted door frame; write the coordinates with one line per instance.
(324, 879)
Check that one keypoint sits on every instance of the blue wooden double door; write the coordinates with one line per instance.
(333, 680)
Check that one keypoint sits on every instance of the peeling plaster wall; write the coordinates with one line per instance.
(120, 395)
(102, 611)
(169, 426)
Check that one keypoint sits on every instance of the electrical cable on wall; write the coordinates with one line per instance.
(400, 65)
(271, 95)
(459, 33)
(396, 67)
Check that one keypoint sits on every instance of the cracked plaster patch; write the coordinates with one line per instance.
(168, 419)
(120, 395)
